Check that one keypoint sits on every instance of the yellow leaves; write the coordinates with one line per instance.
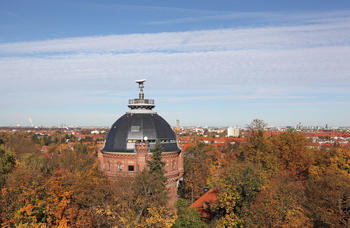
(315, 171)
(59, 198)
(227, 199)
(229, 220)
(159, 217)
(152, 217)
(341, 159)
(109, 211)
(216, 169)
(127, 218)
(297, 218)
(293, 152)
(214, 175)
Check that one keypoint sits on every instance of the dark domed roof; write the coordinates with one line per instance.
(133, 127)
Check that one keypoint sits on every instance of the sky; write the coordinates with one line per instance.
(207, 63)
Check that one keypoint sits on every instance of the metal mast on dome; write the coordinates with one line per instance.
(140, 82)
(141, 105)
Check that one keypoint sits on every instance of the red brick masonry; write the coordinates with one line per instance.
(128, 164)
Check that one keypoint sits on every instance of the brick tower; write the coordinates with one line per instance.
(133, 136)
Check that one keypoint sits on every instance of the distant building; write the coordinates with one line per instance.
(131, 139)
(232, 132)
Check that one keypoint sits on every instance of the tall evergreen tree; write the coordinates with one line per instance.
(156, 165)
(150, 184)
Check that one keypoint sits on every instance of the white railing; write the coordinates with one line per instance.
(141, 101)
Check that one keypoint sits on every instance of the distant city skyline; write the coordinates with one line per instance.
(207, 63)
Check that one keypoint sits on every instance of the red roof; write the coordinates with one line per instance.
(202, 205)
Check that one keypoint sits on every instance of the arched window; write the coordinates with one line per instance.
(120, 166)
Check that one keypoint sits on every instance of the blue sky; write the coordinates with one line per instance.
(215, 63)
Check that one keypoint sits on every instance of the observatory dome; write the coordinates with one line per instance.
(133, 127)
(140, 124)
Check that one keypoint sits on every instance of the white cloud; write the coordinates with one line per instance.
(330, 31)
(230, 64)
(217, 69)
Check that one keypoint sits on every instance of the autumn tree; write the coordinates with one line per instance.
(64, 190)
(280, 204)
(328, 193)
(257, 125)
(197, 164)
(259, 149)
(24, 203)
(293, 152)
(328, 189)
(67, 189)
(238, 184)
(21, 144)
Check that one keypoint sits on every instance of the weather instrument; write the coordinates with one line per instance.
(140, 82)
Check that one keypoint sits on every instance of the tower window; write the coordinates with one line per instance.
(131, 168)
(120, 166)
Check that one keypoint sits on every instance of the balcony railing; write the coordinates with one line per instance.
(141, 101)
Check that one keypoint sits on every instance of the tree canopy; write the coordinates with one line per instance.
(268, 181)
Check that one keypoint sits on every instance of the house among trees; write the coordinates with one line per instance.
(202, 205)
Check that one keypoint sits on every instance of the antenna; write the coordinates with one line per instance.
(140, 82)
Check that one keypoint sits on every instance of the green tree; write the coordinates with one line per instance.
(187, 217)
(7, 163)
(238, 184)
(150, 186)
(156, 165)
